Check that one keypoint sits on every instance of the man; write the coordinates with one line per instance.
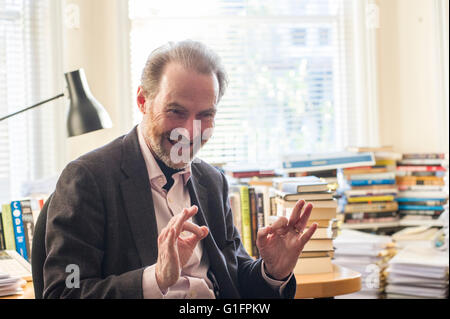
(141, 217)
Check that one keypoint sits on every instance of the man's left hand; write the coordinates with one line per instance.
(281, 243)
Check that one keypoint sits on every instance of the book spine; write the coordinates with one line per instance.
(28, 225)
(368, 199)
(260, 209)
(371, 182)
(419, 207)
(421, 168)
(323, 162)
(2, 236)
(352, 216)
(420, 212)
(420, 199)
(254, 219)
(235, 204)
(424, 156)
(16, 210)
(246, 219)
(8, 228)
(354, 208)
(373, 220)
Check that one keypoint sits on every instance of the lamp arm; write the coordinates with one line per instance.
(32, 106)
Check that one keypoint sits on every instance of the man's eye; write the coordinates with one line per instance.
(176, 112)
(208, 115)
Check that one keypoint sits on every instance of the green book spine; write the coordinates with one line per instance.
(8, 230)
(246, 220)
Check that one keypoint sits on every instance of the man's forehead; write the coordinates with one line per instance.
(182, 81)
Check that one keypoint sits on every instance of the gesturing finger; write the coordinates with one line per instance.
(303, 239)
(183, 217)
(296, 211)
(301, 223)
(200, 232)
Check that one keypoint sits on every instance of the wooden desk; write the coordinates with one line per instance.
(341, 281)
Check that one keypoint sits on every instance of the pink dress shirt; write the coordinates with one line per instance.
(193, 282)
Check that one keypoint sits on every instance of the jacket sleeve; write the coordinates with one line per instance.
(250, 277)
(74, 242)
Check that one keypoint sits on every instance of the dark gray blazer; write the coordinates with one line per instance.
(101, 218)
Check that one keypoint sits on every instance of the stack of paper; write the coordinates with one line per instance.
(418, 272)
(367, 254)
(10, 285)
(422, 236)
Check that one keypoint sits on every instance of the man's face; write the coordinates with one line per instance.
(185, 106)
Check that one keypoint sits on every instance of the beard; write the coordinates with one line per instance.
(176, 155)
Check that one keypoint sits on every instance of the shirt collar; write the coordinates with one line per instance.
(153, 169)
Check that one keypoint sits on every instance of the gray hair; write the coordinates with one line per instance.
(191, 55)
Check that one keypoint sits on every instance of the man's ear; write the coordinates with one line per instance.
(141, 99)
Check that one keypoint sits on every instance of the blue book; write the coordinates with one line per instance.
(19, 233)
(365, 182)
(419, 199)
(311, 162)
(419, 207)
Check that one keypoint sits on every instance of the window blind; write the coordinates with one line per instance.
(290, 64)
(28, 68)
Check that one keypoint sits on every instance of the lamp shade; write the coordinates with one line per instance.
(85, 113)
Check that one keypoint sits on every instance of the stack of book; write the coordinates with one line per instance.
(418, 272)
(370, 191)
(318, 252)
(422, 194)
(367, 254)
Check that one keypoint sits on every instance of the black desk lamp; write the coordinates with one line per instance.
(85, 113)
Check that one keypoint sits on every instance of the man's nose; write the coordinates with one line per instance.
(193, 128)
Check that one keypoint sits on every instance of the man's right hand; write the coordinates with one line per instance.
(174, 251)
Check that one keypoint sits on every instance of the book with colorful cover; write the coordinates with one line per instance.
(372, 182)
(369, 199)
(246, 219)
(8, 229)
(19, 232)
(420, 207)
(253, 219)
(28, 224)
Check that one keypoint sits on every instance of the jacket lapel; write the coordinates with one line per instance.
(199, 197)
(138, 202)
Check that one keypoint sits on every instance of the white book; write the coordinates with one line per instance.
(422, 194)
(387, 175)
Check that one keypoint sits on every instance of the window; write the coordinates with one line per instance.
(290, 64)
(28, 70)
